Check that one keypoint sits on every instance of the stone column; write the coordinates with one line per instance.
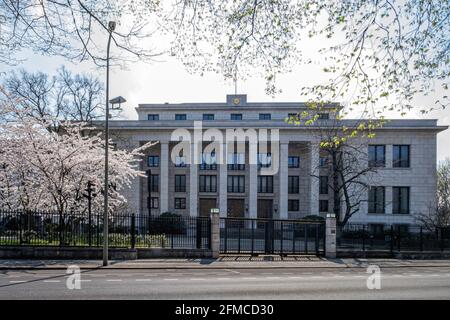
(253, 183)
(223, 182)
(330, 236)
(164, 177)
(193, 183)
(283, 174)
(314, 180)
(215, 235)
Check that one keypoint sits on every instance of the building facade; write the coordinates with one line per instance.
(403, 152)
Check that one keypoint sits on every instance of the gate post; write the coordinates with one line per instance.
(215, 233)
(330, 236)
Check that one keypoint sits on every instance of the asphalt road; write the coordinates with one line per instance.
(282, 283)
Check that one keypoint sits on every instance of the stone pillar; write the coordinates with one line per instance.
(164, 177)
(314, 180)
(223, 182)
(330, 236)
(193, 183)
(253, 183)
(283, 205)
(215, 235)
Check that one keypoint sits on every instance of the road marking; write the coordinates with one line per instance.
(224, 279)
(52, 280)
(234, 271)
(142, 280)
(272, 278)
(170, 279)
(16, 281)
(197, 279)
(114, 280)
(248, 278)
(85, 280)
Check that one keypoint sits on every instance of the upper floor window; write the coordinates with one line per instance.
(180, 183)
(208, 116)
(152, 203)
(377, 155)
(154, 117)
(236, 184)
(264, 160)
(293, 184)
(293, 162)
(293, 205)
(236, 161)
(180, 161)
(265, 116)
(265, 184)
(400, 200)
(153, 183)
(323, 162)
(323, 185)
(236, 116)
(208, 183)
(323, 116)
(153, 161)
(209, 161)
(376, 201)
(180, 117)
(401, 156)
(323, 205)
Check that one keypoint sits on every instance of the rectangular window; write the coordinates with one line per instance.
(236, 161)
(400, 200)
(265, 184)
(180, 161)
(376, 229)
(323, 184)
(153, 183)
(293, 162)
(377, 155)
(180, 183)
(236, 184)
(293, 205)
(153, 117)
(323, 116)
(323, 205)
(401, 156)
(264, 160)
(152, 203)
(208, 116)
(208, 183)
(293, 184)
(153, 161)
(180, 203)
(265, 116)
(376, 200)
(209, 161)
(180, 116)
(323, 161)
(236, 116)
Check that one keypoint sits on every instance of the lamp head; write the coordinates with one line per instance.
(111, 26)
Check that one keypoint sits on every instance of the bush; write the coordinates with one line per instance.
(167, 223)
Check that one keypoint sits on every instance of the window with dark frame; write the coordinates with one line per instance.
(376, 200)
(323, 185)
(293, 162)
(293, 184)
(153, 117)
(293, 205)
(265, 184)
(180, 183)
(180, 161)
(323, 116)
(323, 205)
(209, 161)
(153, 203)
(236, 184)
(208, 116)
(208, 183)
(180, 203)
(154, 183)
(377, 155)
(236, 161)
(323, 161)
(153, 161)
(400, 200)
(236, 116)
(180, 116)
(401, 156)
(264, 160)
(265, 116)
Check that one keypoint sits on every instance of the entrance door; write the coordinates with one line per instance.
(265, 208)
(236, 208)
(205, 206)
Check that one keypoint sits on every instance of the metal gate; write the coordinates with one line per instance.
(268, 236)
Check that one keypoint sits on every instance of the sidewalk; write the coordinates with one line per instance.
(228, 262)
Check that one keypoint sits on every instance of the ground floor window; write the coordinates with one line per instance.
(180, 203)
(293, 205)
(153, 203)
(323, 205)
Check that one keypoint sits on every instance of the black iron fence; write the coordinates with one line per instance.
(394, 238)
(125, 230)
(267, 236)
